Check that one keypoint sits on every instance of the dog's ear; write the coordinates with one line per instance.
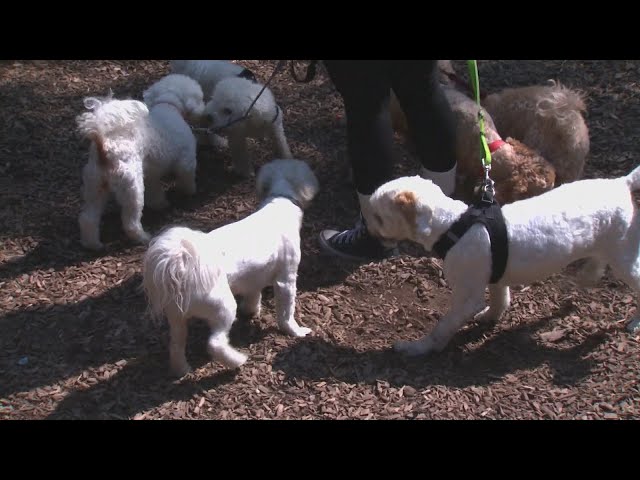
(308, 189)
(91, 103)
(406, 203)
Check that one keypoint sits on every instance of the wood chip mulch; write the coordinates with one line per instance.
(75, 342)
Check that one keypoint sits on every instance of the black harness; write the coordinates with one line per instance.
(490, 215)
(248, 74)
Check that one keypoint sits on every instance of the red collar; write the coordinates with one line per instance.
(496, 145)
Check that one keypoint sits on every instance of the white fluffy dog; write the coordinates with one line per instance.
(209, 72)
(231, 100)
(593, 219)
(133, 146)
(188, 273)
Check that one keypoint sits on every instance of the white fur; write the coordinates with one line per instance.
(189, 273)
(593, 219)
(133, 145)
(231, 99)
(206, 72)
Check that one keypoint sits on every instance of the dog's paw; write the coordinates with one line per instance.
(295, 330)
(233, 359)
(141, 237)
(300, 332)
(633, 326)
(92, 245)
(412, 348)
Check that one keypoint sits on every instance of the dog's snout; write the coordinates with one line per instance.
(208, 118)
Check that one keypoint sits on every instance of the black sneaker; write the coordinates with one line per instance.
(356, 244)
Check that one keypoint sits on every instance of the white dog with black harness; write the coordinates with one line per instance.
(594, 219)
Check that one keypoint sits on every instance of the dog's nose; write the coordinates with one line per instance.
(208, 118)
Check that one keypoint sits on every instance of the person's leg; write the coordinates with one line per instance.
(429, 117)
(365, 88)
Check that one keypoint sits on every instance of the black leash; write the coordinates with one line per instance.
(279, 66)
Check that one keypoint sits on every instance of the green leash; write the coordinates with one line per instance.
(488, 189)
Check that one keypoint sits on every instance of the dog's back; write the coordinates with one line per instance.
(577, 220)
(548, 119)
(206, 72)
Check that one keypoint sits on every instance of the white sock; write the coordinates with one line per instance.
(445, 180)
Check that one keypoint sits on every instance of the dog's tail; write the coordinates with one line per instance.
(633, 179)
(178, 266)
(561, 102)
(106, 117)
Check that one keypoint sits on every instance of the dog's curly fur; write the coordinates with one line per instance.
(133, 145)
(518, 171)
(548, 118)
(231, 99)
(207, 72)
(188, 273)
(593, 219)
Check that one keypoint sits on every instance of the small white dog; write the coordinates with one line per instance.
(231, 100)
(593, 219)
(188, 273)
(133, 146)
(209, 72)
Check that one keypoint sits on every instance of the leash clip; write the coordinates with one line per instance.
(488, 189)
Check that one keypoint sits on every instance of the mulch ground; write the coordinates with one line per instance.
(75, 342)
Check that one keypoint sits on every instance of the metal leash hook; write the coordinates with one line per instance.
(488, 188)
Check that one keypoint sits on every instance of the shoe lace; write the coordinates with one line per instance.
(352, 236)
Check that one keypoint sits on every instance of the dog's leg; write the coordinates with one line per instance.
(218, 141)
(280, 140)
(186, 176)
(219, 310)
(154, 194)
(240, 155)
(284, 291)
(177, 343)
(464, 303)
(251, 304)
(499, 301)
(95, 196)
(589, 273)
(625, 264)
(130, 196)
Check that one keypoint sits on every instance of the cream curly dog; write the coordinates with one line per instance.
(548, 118)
